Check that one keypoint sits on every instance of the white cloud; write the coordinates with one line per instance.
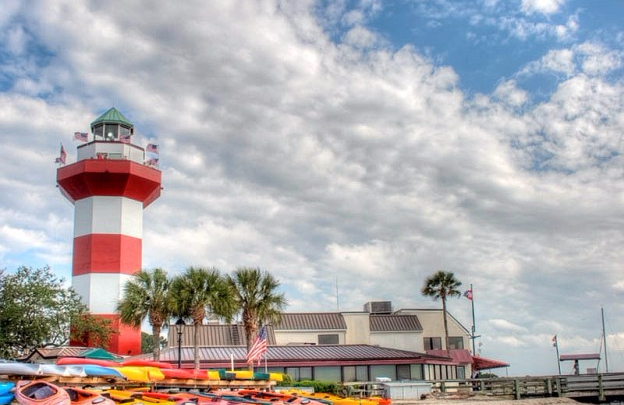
(542, 6)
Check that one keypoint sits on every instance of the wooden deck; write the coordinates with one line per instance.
(587, 387)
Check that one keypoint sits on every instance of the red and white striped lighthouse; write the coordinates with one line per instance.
(110, 184)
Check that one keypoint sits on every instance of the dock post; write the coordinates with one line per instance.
(601, 394)
(517, 388)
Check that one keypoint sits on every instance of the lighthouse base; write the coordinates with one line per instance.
(124, 341)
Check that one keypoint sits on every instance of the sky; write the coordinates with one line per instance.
(349, 148)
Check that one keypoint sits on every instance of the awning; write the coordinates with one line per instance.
(481, 363)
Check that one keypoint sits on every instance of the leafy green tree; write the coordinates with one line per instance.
(146, 296)
(197, 293)
(147, 343)
(37, 309)
(256, 298)
(442, 285)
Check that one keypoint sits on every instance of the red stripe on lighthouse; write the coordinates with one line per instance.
(107, 253)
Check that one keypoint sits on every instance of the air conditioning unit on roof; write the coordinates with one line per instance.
(378, 307)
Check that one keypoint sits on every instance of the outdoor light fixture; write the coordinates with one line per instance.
(178, 327)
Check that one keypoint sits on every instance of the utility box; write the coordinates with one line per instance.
(409, 389)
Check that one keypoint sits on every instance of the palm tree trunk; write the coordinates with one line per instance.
(156, 341)
(446, 337)
(196, 345)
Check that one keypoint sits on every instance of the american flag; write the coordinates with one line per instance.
(62, 157)
(81, 136)
(152, 148)
(125, 138)
(259, 346)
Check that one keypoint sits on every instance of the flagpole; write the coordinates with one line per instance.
(556, 344)
(474, 352)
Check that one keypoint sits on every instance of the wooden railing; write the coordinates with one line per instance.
(599, 386)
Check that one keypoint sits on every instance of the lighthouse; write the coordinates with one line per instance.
(109, 184)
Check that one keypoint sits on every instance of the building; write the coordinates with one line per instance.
(110, 184)
(341, 346)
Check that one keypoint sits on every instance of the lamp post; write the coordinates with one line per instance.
(178, 326)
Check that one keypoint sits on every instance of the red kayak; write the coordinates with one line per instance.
(82, 360)
(41, 393)
(79, 396)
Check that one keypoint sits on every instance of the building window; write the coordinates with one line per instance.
(348, 374)
(461, 372)
(328, 339)
(388, 371)
(456, 342)
(361, 373)
(432, 343)
(416, 371)
(403, 372)
(327, 373)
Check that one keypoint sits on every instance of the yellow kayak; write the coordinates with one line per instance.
(133, 397)
(334, 399)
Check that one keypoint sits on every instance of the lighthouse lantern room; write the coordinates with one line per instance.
(109, 184)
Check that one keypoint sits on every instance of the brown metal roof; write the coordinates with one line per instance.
(311, 321)
(395, 323)
(215, 357)
(215, 335)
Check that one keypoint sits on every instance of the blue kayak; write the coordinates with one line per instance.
(93, 370)
(6, 396)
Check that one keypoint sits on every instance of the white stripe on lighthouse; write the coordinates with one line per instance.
(100, 291)
(108, 215)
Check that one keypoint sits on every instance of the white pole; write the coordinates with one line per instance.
(232, 361)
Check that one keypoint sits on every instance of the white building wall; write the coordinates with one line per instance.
(358, 328)
(411, 341)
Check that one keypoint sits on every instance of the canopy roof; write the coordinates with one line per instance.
(481, 363)
(114, 117)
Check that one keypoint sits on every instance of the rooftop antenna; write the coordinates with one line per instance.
(337, 296)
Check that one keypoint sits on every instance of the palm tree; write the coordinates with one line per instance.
(199, 292)
(256, 298)
(145, 295)
(441, 285)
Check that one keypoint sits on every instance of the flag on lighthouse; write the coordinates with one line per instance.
(152, 148)
(259, 346)
(62, 157)
(81, 136)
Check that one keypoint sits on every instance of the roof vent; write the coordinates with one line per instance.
(378, 307)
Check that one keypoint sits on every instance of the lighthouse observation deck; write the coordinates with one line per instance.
(111, 150)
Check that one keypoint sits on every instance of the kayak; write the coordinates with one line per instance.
(81, 361)
(79, 396)
(285, 398)
(6, 395)
(92, 370)
(146, 363)
(64, 371)
(41, 393)
(130, 397)
(337, 400)
(17, 368)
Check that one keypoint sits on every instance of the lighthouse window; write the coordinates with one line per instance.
(98, 131)
(110, 132)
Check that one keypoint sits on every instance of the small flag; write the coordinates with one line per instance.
(554, 341)
(152, 162)
(81, 136)
(62, 157)
(468, 294)
(259, 347)
(125, 138)
(152, 148)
